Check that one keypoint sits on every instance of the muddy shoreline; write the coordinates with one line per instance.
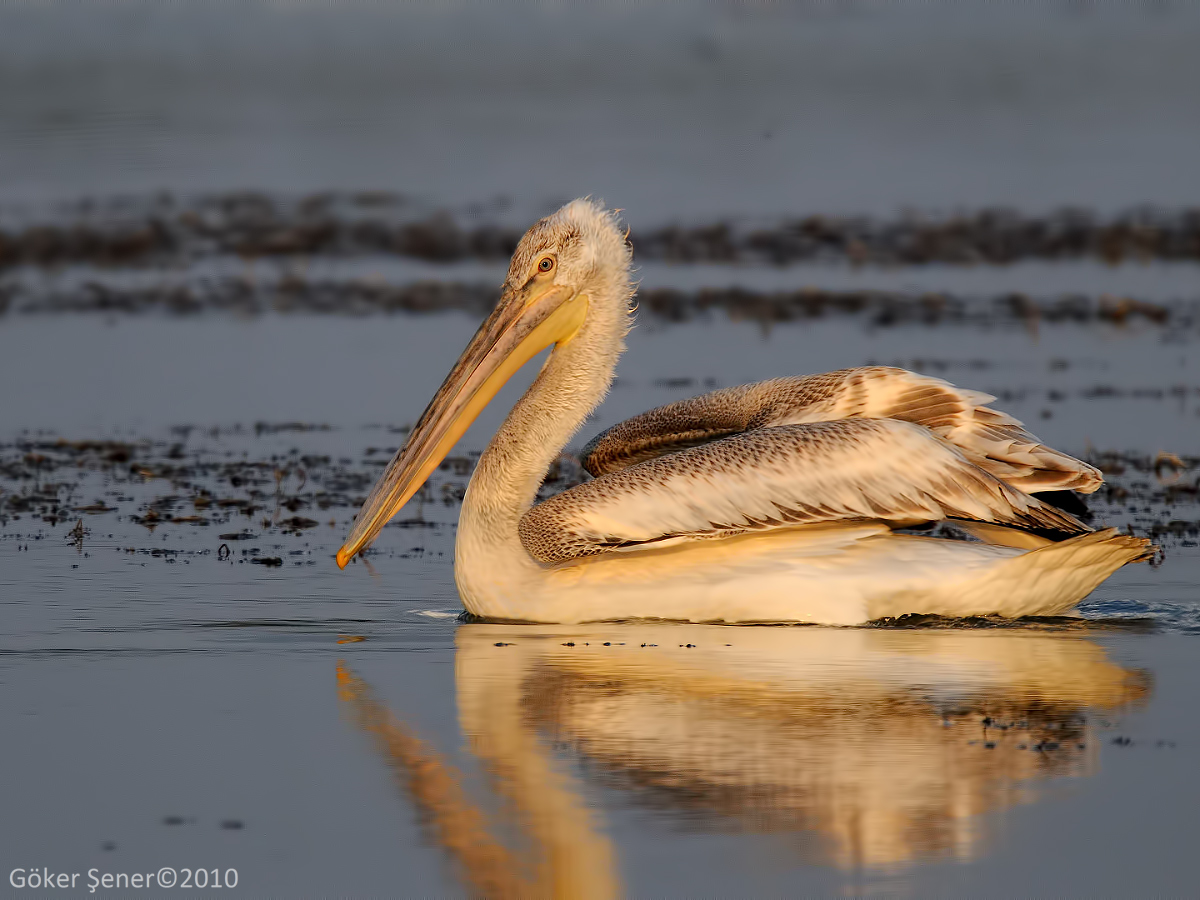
(155, 230)
(295, 294)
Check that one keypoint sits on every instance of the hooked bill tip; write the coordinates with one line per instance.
(342, 558)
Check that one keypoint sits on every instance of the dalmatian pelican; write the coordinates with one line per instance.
(773, 502)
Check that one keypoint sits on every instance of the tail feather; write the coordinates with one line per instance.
(1046, 580)
(1015, 456)
(991, 438)
(1052, 579)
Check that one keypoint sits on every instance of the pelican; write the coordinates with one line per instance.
(773, 502)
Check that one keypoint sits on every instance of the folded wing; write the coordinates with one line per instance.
(993, 440)
(850, 469)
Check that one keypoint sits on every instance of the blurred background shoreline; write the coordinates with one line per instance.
(687, 112)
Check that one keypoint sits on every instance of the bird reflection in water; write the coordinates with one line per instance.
(879, 748)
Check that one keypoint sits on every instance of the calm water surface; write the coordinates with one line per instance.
(171, 702)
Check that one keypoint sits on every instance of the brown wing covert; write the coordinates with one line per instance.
(845, 470)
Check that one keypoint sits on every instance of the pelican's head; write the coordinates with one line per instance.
(570, 270)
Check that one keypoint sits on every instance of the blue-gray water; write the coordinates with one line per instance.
(167, 701)
(688, 111)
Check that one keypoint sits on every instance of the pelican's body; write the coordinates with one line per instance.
(770, 503)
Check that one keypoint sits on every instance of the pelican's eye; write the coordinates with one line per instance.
(546, 264)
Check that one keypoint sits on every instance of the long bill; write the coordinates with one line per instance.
(524, 322)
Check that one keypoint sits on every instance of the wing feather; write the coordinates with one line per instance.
(991, 439)
(850, 469)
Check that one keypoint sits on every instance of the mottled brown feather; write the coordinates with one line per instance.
(990, 438)
(845, 470)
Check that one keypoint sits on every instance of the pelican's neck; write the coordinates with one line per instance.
(541, 423)
(572, 382)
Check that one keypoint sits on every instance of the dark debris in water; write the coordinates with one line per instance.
(1044, 623)
(294, 294)
(889, 308)
(165, 228)
(45, 481)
